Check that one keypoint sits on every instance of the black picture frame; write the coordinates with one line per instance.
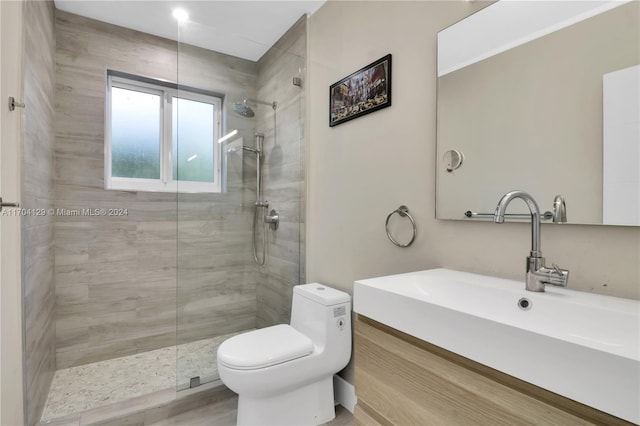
(362, 92)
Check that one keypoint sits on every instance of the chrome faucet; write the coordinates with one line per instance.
(537, 273)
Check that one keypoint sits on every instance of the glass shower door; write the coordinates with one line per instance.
(222, 290)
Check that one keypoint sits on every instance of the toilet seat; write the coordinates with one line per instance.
(263, 348)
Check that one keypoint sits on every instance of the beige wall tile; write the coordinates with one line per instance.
(283, 174)
(37, 189)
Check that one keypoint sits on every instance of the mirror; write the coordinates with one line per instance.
(542, 97)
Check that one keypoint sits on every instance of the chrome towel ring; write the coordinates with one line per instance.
(403, 211)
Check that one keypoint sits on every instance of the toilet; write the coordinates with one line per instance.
(283, 374)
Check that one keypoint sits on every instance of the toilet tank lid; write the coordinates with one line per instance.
(264, 347)
(321, 293)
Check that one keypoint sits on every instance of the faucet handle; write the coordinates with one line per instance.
(557, 268)
(561, 277)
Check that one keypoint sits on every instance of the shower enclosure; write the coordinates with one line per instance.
(139, 301)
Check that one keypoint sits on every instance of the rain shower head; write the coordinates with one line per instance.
(245, 148)
(245, 110)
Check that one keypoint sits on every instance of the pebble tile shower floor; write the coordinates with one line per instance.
(88, 386)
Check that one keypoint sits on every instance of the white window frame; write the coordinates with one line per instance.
(166, 183)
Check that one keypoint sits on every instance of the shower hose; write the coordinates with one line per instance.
(256, 215)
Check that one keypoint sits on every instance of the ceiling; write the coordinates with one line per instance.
(507, 24)
(246, 29)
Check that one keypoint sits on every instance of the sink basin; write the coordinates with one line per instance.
(583, 346)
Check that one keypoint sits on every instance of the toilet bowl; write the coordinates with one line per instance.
(283, 374)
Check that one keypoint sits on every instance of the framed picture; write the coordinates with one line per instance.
(364, 91)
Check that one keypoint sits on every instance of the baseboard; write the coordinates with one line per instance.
(344, 393)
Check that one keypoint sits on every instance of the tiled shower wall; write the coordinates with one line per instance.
(115, 277)
(37, 193)
(283, 171)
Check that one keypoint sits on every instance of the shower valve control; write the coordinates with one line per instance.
(273, 219)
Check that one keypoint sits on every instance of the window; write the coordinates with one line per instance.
(159, 138)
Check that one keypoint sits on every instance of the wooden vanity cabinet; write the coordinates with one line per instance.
(402, 380)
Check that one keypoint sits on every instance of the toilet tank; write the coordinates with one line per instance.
(323, 314)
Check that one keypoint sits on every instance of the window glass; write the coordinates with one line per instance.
(135, 134)
(193, 136)
(158, 135)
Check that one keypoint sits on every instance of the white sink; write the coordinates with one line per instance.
(583, 346)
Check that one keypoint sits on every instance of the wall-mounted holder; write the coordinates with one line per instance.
(3, 204)
(543, 216)
(13, 104)
(403, 211)
(558, 215)
(453, 160)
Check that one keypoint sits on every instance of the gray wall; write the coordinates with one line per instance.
(365, 168)
(116, 276)
(283, 171)
(37, 190)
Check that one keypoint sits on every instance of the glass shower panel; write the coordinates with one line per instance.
(222, 290)
(283, 176)
(122, 263)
